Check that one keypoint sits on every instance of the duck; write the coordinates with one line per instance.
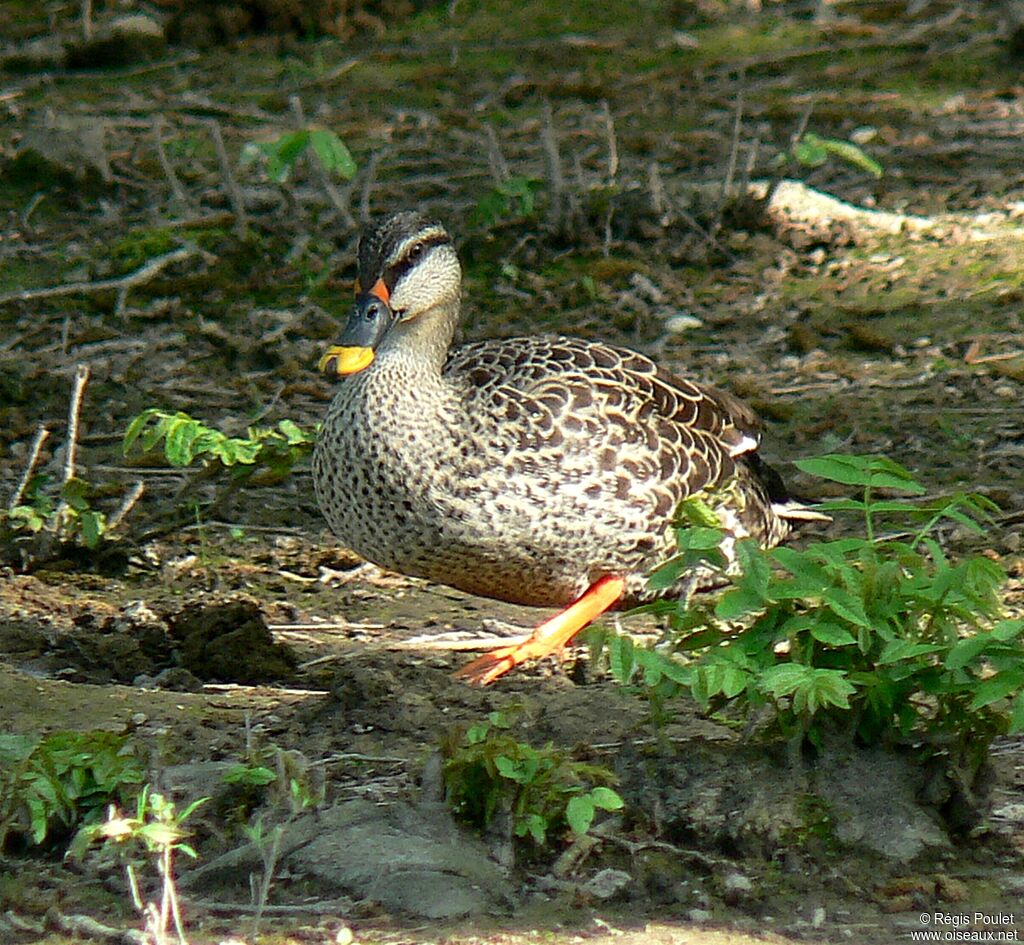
(543, 470)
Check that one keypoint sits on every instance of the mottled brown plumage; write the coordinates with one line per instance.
(524, 469)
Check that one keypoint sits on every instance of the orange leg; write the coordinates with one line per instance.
(547, 637)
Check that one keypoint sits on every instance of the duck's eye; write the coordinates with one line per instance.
(415, 251)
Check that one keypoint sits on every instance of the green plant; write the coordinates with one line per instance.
(70, 517)
(62, 781)
(513, 199)
(883, 636)
(811, 150)
(274, 450)
(282, 153)
(158, 828)
(487, 771)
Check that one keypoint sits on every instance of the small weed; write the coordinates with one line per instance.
(883, 635)
(811, 150)
(488, 772)
(157, 828)
(274, 450)
(60, 782)
(282, 154)
(513, 199)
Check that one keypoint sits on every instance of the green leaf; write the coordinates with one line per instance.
(699, 538)
(181, 432)
(695, 511)
(967, 651)
(782, 679)
(255, 775)
(667, 574)
(157, 431)
(537, 827)
(93, 525)
(1017, 715)
(845, 605)
(1007, 630)
(896, 650)
(821, 688)
(76, 493)
(332, 153)
(756, 571)
(810, 151)
(851, 154)
(875, 471)
(834, 634)
(135, 428)
(579, 814)
(620, 659)
(737, 603)
(997, 687)
(606, 799)
(280, 154)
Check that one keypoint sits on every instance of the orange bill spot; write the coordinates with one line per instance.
(381, 291)
(547, 637)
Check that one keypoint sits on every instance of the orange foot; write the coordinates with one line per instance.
(547, 637)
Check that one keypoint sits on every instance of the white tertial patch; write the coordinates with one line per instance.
(747, 444)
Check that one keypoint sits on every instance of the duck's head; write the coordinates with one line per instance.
(407, 294)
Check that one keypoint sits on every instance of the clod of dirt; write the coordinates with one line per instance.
(64, 148)
(126, 41)
(230, 642)
(407, 859)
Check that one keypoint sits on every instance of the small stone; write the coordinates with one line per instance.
(677, 324)
(606, 884)
(737, 882)
(344, 936)
(698, 915)
(818, 917)
(863, 135)
(736, 886)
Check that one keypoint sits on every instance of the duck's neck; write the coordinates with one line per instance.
(421, 344)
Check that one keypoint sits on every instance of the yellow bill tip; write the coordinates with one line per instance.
(339, 361)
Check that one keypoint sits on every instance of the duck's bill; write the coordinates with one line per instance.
(370, 320)
(339, 361)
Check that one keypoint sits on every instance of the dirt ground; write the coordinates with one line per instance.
(855, 313)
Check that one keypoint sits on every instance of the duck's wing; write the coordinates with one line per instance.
(596, 395)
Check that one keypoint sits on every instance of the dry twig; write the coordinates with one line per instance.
(60, 517)
(496, 162)
(87, 927)
(367, 189)
(33, 460)
(553, 166)
(230, 184)
(122, 285)
(613, 147)
(127, 504)
(177, 190)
